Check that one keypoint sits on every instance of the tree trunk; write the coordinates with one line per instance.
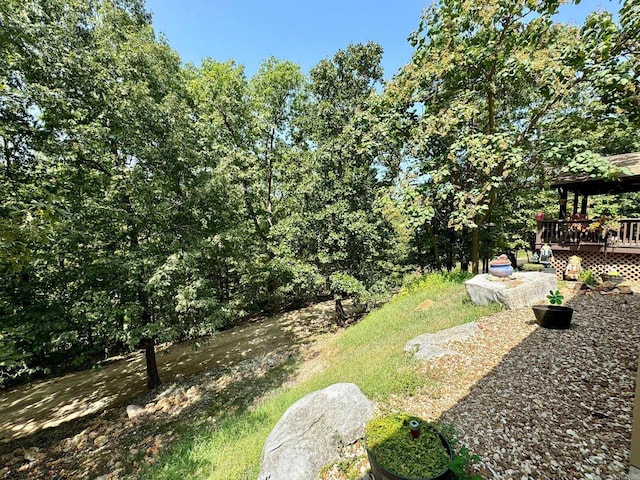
(153, 377)
(475, 250)
(464, 260)
(453, 242)
(269, 180)
(341, 317)
(436, 250)
(421, 257)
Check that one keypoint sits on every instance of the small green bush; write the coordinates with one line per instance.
(588, 277)
(389, 440)
(532, 267)
(431, 280)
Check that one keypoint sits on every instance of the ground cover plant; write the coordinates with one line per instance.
(368, 354)
(390, 441)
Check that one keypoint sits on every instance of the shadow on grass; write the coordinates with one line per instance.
(220, 410)
(560, 403)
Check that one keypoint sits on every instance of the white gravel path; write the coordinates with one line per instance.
(546, 404)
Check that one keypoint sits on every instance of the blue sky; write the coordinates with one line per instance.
(302, 31)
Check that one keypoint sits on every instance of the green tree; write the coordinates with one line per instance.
(247, 125)
(344, 233)
(128, 261)
(486, 85)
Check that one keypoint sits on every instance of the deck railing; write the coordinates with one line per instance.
(578, 232)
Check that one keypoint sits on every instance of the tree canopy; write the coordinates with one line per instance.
(145, 201)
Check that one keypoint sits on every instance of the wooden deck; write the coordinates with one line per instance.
(575, 235)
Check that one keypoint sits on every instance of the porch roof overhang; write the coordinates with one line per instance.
(585, 185)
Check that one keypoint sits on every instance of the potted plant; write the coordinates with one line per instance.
(605, 225)
(402, 447)
(554, 315)
(614, 277)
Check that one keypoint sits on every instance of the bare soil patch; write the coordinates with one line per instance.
(76, 426)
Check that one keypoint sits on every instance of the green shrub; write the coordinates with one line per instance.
(389, 440)
(430, 280)
(588, 277)
(532, 267)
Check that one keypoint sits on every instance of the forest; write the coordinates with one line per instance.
(146, 201)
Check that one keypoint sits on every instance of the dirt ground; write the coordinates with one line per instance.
(44, 404)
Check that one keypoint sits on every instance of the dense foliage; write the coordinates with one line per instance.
(496, 93)
(144, 201)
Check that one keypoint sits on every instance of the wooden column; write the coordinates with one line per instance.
(562, 192)
(575, 203)
(583, 207)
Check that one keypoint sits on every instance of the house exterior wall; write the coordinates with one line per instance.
(628, 264)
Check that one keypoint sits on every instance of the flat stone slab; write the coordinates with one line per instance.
(430, 345)
(523, 289)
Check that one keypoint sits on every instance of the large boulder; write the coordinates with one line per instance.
(523, 289)
(310, 432)
(432, 345)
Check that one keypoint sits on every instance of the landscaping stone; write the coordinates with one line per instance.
(430, 345)
(580, 286)
(100, 441)
(311, 431)
(521, 290)
(134, 411)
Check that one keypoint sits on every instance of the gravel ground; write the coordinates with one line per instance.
(535, 403)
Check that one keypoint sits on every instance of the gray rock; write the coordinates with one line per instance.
(524, 289)
(134, 411)
(310, 432)
(101, 441)
(430, 345)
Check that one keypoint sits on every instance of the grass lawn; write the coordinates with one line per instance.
(369, 354)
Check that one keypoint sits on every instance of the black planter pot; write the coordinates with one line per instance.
(553, 316)
(382, 473)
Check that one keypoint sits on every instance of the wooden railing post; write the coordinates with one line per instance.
(569, 233)
(539, 233)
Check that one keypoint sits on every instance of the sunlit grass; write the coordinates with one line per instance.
(369, 354)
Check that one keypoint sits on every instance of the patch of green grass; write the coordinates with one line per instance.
(369, 354)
